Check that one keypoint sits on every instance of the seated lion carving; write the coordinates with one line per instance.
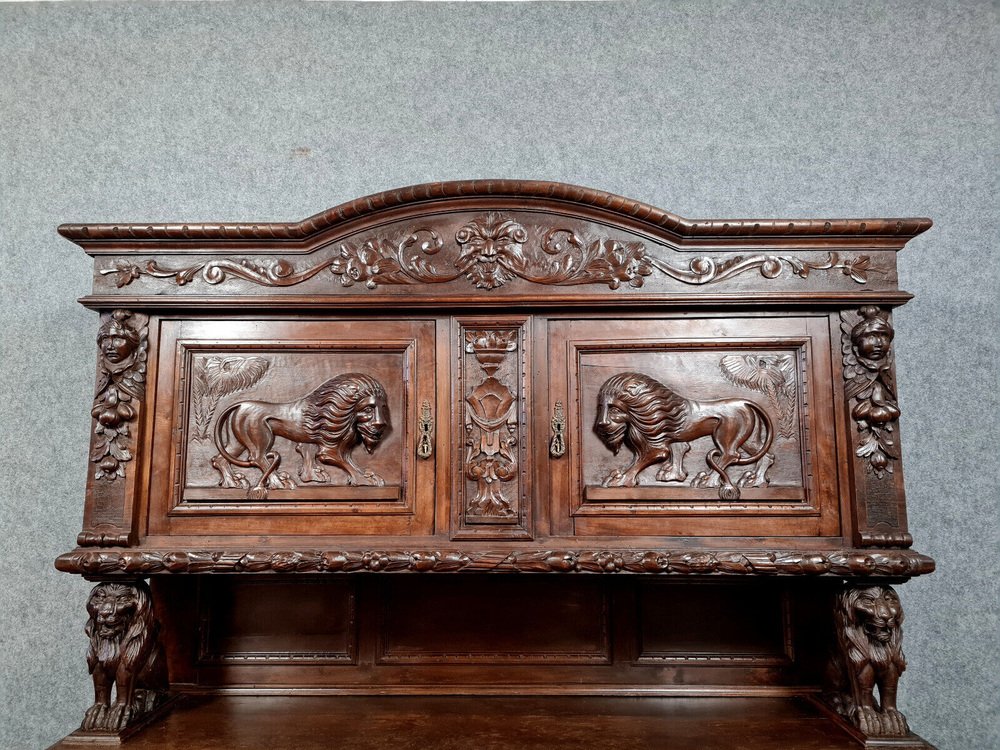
(125, 654)
(869, 654)
(656, 424)
(327, 425)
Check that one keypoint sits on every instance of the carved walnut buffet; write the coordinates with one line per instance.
(691, 424)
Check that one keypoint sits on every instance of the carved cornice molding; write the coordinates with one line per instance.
(839, 563)
(568, 196)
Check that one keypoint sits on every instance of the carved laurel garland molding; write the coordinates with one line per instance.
(492, 250)
(121, 383)
(867, 348)
(892, 563)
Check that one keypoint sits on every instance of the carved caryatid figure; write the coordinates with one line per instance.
(868, 369)
(656, 424)
(125, 654)
(121, 383)
(327, 424)
(868, 654)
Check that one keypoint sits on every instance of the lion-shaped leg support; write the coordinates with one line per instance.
(125, 656)
(868, 655)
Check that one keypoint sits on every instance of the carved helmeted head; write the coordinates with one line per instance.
(117, 340)
(638, 410)
(491, 247)
(871, 337)
(346, 410)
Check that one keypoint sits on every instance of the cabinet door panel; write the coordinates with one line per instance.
(686, 426)
(301, 427)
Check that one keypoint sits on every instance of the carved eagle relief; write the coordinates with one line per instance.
(772, 375)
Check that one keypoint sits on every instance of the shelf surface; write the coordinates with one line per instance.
(489, 723)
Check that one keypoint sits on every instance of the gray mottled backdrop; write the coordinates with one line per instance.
(272, 112)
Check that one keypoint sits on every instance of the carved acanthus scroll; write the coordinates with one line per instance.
(125, 656)
(491, 250)
(657, 424)
(867, 655)
(121, 384)
(491, 428)
(326, 424)
(871, 387)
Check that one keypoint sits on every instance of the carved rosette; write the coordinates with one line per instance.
(871, 388)
(491, 427)
(867, 655)
(490, 251)
(125, 657)
(121, 384)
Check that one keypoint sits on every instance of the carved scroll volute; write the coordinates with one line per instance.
(125, 657)
(870, 393)
(122, 343)
(493, 385)
(867, 654)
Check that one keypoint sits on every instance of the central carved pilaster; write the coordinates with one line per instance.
(492, 399)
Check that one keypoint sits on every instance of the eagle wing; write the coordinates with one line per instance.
(755, 373)
(227, 375)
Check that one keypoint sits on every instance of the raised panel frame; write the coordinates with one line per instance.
(332, 509)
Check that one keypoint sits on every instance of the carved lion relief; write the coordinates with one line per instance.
(125, 655)
(868, 655)
(656, 424)
(326, 425)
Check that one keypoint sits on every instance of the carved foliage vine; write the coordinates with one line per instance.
(489, 251)
(121, 383)
(871, 388)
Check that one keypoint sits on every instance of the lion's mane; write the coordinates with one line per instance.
(655, 413)
(330, 412)
(861, 647)
(124, 648)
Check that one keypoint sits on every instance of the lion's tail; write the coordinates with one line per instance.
(223, 426)
(766, 429)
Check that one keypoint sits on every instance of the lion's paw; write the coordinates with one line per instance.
(704, 480)
(316, 475)
(671, 474)
(95, 717)
(894, 723)
(373, 480)
(280, 480)
(868, 720)
(615, 478)
(119, 716)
